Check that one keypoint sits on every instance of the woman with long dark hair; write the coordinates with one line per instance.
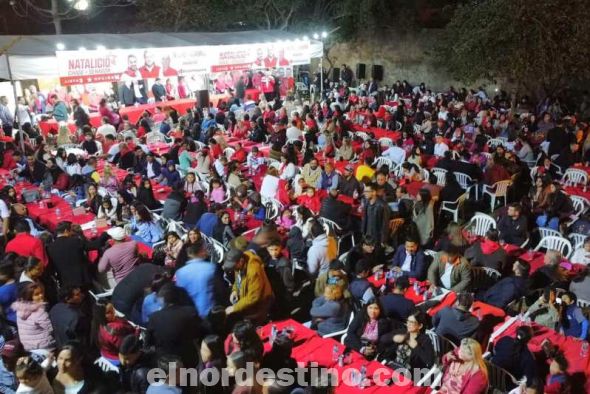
(145, 228)
(366, 332)
(145, 195)
(212, 361)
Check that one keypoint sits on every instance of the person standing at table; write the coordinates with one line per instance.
(375, 219)
(457, 322)
(6, 117)
(513, 226)
(24, 244)
(121, 257)
(68, 257)
(574, 323)
(450, 271)
(251, 295)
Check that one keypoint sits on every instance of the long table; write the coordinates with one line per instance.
(309, 347)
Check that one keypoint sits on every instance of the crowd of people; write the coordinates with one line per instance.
(207, 225)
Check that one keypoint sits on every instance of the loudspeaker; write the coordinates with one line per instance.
(361, 70)
(377, 72)
(203, 98)
(335, 74)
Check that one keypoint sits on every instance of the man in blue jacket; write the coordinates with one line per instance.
(410, 260)
(201, 279)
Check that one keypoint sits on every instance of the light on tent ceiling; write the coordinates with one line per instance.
(81, 5)
(316, 36)
(60, 46)
(82, 48)
(101, 48)
(324, 34)
(305, 38)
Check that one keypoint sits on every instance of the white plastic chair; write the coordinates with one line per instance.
(583, 303)
(105, 365)
(581, 205)
(575, 176)
(385, 141)
(441, 176)
(454, 206)
(577, 240)
(364, 136)
(560, 244)
(465, 181)
(480, 224)
(384, 161)
(333, 228)
(494, 142)
(273, 209)
(548, 232)
(229, 152)
(497, 190)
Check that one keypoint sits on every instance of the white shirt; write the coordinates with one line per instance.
(4, 212)
(23, 115)
(395, 154)
(113, 150)
(445, 279)
(106, 129)
(269, 187)
(219, 167)
(293, 133)
(407, 265)
(288, 172)
(440, 149)
(150, 169)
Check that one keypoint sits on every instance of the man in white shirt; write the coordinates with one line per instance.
(293, 133)
(440, 147)
(106, 128)
(4, 215)
(395, 153)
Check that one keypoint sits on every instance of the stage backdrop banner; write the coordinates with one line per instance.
(82, 67)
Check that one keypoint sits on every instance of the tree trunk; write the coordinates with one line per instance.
(56, 17)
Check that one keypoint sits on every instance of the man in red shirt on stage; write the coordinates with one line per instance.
(149, 69)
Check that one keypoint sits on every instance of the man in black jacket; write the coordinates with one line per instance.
(176, 328)
(456, 323)
(511, 288)
(513, 227)
(336, 210)
(68, 319)
(159, 90)
(135, 365)
(395, 305)
(376, 215)
(67, 257)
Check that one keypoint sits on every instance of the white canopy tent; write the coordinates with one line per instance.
(33, 57)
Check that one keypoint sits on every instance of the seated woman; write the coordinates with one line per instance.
(110, 331)
(329, 312)
(145, 195)
(555, 207)
(412, 347)
(172, 248)
(465, 370)
(93, 199)
(107, 211)
(488, 252)
(109, 180)
(367, 330)
(144, 228)
(222, 232)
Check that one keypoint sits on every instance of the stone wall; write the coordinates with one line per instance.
(407, 56)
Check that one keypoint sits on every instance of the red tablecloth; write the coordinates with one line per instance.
(134, 112)
(378, 132)
(309, 347)
(577, 191)
(36, 209)
(571, 347)
(478, 309)
(52, 125)
(159, 148)
(413, 187)
(537, 260)
(50, 220)
(253, 93)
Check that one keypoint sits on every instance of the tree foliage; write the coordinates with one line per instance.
(537, 44)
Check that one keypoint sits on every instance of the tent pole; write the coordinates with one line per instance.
(20, 129)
